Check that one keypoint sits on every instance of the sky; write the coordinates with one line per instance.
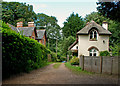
(61, 9)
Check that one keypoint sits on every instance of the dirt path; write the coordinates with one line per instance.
(62, 75)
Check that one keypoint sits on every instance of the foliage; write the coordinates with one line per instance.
(63, 58)
(114, 28)
(53, 56)
(115, 49)
(110, 9)
(56, 65)
(76, 69)
(70, 54)
(73, 24)
(95, 16)
(74, 61)
(66, 43)
(104, 53)
(45, 20)
(13, 12)
(20, 54)
(52, 29)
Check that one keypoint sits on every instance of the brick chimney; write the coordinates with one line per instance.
(105, 25)
(20, 24)
(30, 24)
(87, 23)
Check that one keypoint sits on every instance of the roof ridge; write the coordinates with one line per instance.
(85, 30)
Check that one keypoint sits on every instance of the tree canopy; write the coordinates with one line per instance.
(95, 16)
(110, 9)
(12, 12)
(73, 24)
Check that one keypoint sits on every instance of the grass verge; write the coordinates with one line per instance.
(56, 65)
(75, 69)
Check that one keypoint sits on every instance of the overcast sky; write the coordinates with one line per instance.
(61, 9)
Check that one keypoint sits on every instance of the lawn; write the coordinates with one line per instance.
(76, 69)
(56, 65)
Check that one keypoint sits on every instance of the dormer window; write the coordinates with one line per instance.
(93, 35)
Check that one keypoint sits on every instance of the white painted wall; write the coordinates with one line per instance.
(74, 47)
(84, 44)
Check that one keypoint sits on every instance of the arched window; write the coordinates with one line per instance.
(93, 35)
(93, 52)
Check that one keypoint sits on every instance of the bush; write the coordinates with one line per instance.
(74, 61)
(20, 53)
(53, 56)
(104, 53)
(63, 58)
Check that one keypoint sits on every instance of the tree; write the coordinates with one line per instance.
(73, 24)
(114, 28)
(95, 16)
(45, 20)
(110, 9)
(66, 43)
(52, 29)
(14, 11)
(115, 49)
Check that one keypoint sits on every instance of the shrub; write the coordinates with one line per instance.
(63, 58)
(20, 53)
(74, 61)
(104, 53)
(53, 56)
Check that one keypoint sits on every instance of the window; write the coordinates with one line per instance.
(93, 52)
(93, 35)
(76, 47)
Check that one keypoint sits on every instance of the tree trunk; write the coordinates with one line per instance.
(56, 46)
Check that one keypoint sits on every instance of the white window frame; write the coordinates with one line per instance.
(93, 51)
(93, 34)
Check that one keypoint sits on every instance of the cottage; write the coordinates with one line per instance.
(41, 36)
(30, 31)
(74, 48)
(92, 39)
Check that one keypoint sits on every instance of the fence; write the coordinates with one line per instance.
(100, 64)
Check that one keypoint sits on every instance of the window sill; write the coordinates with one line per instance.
(92, 40)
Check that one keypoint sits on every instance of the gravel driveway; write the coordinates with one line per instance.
(61, 75)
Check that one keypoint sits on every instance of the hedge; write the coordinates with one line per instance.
(104, 53)
(20, 53)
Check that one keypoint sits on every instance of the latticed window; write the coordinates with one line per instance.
(93, 35)
(93, 52)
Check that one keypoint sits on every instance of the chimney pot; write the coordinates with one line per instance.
(20, 24)
(105, 25)
(30, 24)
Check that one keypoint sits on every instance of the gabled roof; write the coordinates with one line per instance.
(27, 31)
(92, 24)
(71, 46)
(40, 33)
(13, 28)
